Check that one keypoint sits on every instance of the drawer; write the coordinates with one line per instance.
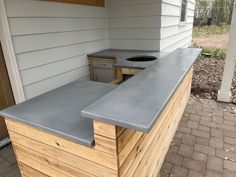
(102, 65)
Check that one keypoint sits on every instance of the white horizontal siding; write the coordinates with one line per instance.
(175, 30)
(43, 57)
(148, 9)
(134, 24)
(51, 41)
(54, 82)
(36, 74)
(44, 41)
(44, 25)
(134, 44)
(183, 43)
(166, 42)
(173, 33)
(136, 33)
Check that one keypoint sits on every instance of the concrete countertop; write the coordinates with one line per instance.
(122, 55)
(138, 102)
(59, 111)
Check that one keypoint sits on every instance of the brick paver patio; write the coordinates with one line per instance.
(204, 144)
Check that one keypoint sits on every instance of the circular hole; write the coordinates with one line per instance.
(142, 58)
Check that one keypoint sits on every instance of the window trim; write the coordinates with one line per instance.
(182, 23)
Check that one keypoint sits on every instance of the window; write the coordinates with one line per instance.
(183, 11)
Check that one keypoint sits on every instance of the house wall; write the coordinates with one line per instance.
(149, 24)
(173, 33)
(51, 41)
(134, 24)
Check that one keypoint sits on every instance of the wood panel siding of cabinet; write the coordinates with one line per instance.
(6, 96)
(85, 2)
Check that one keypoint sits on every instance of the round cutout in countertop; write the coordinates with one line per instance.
(142, 58)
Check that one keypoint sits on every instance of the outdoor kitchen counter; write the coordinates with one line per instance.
(138, 102)
(59, 111)
(125, 133)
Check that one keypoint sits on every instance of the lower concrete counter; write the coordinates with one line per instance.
(58, 111)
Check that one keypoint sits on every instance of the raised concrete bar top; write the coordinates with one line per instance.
(138, 102)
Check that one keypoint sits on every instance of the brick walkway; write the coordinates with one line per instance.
(204, 144)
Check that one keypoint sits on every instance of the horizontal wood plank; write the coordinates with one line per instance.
(85, 2)
(60, 155)
(91, 154)
(51, 163)
(27, 171)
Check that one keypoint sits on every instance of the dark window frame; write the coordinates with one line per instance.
(183, 11)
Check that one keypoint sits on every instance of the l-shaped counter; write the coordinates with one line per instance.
(88, 128)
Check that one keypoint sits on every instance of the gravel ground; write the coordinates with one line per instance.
(207, 78)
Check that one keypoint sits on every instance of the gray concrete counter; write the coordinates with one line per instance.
(59, 111)
(138, 102)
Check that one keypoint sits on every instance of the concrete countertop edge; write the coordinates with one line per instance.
(113, 120)
(146, 129)
(52, 131)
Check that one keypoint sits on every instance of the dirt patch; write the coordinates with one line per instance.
(212, 41)
(207, 77)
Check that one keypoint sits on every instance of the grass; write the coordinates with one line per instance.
(210, 30)
(213, 52)
(203, 31)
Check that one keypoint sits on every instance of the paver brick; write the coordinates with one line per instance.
(194, 174)
(178, 135)
(208, 124)
(204, 149)
(217, 119)
(230, 117)
(216, 143)
(231, 134)
(228, 122)
(174, 159)
(216, 132)
(184, 129)
(194, 117)
(193, 164)
(215, 163)
(179, 171)
(192, 124)
(176, 141)
(203, 128)
(217, 112)
(199, 156)
(173, 149)
(211, 173)
(228, 173)
(166, 166)
(230, 140)
(228, 127)
(188, 139)
(200, 133)
(226, 154)
(202, 141)
(185, 150)
(230, 165)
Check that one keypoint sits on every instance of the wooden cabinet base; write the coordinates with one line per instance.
(118, 152)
